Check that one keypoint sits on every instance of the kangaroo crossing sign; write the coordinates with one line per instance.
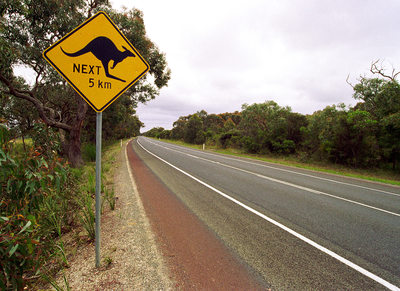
(97, 60)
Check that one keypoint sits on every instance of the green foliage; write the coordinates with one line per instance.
(345, 136)
(53, 282)
(18, 248)
(109, 195)
(89, 152)
(230, 138)
(382, 100)
(158, 132)
(46, 140)
(27, 29)
(381, 97)
(193, 132)
(178, 129)
(367, 135)
(213, 123)
(119, 121)
(85, 200)
(87, 215)
(267, 128)
(155, 132)
(32, 211)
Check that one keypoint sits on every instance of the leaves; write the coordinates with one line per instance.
(28, 28)
(28, 224)
(13, 249)
(28, 184)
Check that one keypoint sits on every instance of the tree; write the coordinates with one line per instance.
(19, 119)
(214, 123)
(295, 123)
(119, 121)
(265, 128)
(319, 132)
(194, 130)
(154, 132)
(354, 140)
(341, 135)
(229, 125)
(178, 130)
(390, 138)
(30, 26)
(381, 98)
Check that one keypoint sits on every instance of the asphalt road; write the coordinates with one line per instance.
(295, 229)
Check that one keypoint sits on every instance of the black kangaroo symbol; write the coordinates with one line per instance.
(105, 51)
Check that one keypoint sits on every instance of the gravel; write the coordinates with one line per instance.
(130, 257)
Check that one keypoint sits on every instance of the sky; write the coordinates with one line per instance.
(224, 53)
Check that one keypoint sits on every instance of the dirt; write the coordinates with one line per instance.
(130, 258)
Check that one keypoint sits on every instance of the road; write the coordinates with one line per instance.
(294, 228)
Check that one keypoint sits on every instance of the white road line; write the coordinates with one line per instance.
(285, 228)
(294, 172)
(285, 183)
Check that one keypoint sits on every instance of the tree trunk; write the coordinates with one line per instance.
(74, 144)
(23, 142)
(74, 148)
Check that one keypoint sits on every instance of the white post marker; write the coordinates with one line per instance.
(82, 58)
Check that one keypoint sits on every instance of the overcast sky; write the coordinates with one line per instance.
(223, 54)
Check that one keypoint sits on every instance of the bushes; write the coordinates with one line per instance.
(364, 136)
(19, 246)
(89, 152)
(33, 211)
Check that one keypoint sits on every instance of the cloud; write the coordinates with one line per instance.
(298, 53)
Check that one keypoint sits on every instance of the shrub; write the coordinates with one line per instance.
(31, 211)
(19, 247)
(89, 152)
(250, 145)
(87, 216)
(46, 140)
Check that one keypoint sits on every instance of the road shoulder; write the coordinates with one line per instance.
(130, 256)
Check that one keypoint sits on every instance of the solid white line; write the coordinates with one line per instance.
(292, 172)
(285, 228)
(284, 182)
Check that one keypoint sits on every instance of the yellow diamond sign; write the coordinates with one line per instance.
(97, 60)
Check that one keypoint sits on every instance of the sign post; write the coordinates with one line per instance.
(100, 63)
(99, 116)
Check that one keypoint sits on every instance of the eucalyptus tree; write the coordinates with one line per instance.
(381, 98)
(28, 27)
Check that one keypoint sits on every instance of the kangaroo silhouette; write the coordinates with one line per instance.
(105, 51)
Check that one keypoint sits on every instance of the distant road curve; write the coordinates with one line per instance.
(295, 228)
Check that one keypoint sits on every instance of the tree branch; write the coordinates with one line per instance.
(29, 96)
(348, 82)
(375, 70)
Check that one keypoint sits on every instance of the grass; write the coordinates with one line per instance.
(87, 182)
(376, 175)
(17, 146)
(89, 152)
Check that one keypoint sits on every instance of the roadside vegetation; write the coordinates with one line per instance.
(362, 141)
(44, 199)
(47, 136)
(375, 174)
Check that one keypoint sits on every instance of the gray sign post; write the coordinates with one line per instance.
(99, 116)
(100, 90)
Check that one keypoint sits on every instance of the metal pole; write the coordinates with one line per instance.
(98, 185)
